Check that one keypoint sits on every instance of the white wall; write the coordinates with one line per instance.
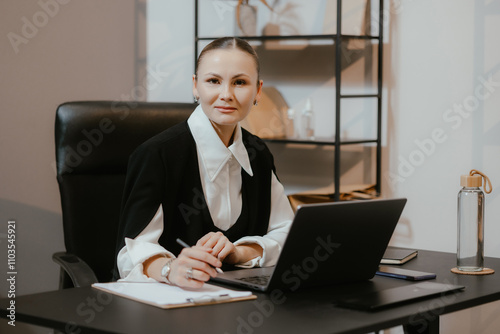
(436, 54)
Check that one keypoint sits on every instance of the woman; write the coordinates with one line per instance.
(206, 181)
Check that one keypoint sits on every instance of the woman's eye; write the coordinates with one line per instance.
(240, 82)
(213, 81)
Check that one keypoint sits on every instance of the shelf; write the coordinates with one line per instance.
(319, 141)
(338, 40)
(353, 96)
(292, 37)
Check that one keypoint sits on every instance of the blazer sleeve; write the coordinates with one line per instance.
(143, 193)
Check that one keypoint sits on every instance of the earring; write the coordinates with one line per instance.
(255, 103)
(196, 98)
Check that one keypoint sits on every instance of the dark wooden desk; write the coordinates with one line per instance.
(86, 310)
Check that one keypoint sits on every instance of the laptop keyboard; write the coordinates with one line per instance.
(258, 280)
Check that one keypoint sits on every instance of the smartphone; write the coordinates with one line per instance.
(406, 274)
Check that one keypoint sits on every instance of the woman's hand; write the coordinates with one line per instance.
(193, 267)
(221, 247)
(226, 251)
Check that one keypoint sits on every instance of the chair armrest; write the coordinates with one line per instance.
(79, 271)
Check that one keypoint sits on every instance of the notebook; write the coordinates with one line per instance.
(398, 255)
(328, 243)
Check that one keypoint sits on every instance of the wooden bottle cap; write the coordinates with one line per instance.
(471, 181)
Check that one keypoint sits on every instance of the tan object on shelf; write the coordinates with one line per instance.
(268, 119)
(326, 194)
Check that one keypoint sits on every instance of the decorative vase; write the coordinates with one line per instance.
(246, 24)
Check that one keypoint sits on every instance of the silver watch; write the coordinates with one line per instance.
(165, 271)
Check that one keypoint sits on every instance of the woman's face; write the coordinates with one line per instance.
(227, 85)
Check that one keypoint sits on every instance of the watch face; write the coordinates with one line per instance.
(165, 270)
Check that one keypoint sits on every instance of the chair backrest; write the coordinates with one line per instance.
(93, 142)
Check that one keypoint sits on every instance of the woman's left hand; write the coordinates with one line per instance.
(221, 247)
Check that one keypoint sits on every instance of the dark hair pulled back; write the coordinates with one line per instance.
(227, 43)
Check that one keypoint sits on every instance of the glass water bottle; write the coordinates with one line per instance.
(470, 243)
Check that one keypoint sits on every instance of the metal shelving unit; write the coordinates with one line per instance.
(337, 39)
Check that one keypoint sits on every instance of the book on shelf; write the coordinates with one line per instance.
(398, 255)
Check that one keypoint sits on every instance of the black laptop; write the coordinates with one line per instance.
(328, 243)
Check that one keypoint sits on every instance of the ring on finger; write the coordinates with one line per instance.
(189, 273)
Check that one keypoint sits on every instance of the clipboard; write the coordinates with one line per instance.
(169, 296)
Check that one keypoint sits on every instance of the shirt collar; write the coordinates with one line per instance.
(211, 150)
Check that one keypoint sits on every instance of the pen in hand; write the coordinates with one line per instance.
(185, 245)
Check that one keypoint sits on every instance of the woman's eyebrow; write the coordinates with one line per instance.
(240, 75)
(213, 74)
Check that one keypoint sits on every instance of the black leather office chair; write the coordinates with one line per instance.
(93, 142)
